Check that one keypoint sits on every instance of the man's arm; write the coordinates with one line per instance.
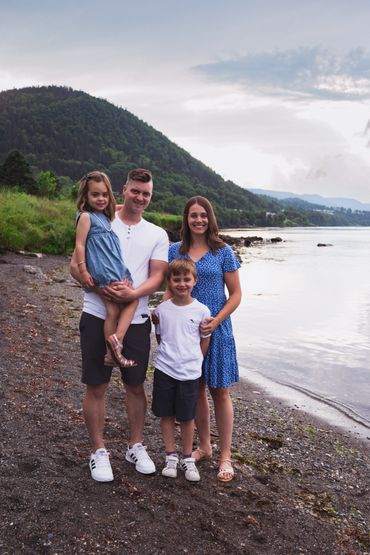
(124, 293)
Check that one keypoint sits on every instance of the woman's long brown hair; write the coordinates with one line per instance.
(213, 240)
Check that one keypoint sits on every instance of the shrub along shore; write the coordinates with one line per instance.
(38, 224)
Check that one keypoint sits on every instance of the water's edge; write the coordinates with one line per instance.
(307, 401)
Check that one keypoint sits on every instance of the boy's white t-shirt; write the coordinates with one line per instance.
(179, 354)
(140, 243)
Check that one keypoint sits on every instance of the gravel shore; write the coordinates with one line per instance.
(301, 486)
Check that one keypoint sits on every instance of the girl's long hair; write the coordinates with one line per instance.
(213, 240)
(83, 205)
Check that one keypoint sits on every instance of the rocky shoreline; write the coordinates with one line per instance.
(301, 486)
(238, 244)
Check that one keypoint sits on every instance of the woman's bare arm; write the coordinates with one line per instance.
(232, 282)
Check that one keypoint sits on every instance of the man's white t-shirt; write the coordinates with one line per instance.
(179, 354)
(140, 243)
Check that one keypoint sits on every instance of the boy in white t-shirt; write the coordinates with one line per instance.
(178, 366)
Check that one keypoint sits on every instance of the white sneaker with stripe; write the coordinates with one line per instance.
(100, 467)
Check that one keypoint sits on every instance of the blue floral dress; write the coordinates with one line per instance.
(220, 366)
(103, 252)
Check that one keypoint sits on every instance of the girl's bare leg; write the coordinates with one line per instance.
(125, 317)
(115, 327)
(112, 315)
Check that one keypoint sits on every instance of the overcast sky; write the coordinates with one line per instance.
(271, 94)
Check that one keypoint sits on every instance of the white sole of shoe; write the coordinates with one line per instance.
(102, 480)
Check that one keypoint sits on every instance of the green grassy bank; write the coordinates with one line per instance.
(38, 224)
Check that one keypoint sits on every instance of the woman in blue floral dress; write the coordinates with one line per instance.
(217, 267)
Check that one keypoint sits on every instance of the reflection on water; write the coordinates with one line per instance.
(305, 315)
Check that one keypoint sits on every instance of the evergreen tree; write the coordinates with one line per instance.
(46, 185)
(16, 171)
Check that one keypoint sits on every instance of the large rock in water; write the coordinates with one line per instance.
(236, 243)
(241, 241)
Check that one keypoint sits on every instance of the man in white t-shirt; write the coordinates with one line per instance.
(145, 252)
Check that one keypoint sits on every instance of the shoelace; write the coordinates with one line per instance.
(171, 464)
(141, 451)
(101, 457)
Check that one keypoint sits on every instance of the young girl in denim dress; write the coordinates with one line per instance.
(100, 259)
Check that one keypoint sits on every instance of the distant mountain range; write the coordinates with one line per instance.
(330, 202)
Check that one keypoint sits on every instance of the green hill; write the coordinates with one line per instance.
(70, 133)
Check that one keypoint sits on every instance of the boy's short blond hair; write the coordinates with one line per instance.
(181, 266)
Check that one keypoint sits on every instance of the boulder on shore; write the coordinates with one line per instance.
(235, 243)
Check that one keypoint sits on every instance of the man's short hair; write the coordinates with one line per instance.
(139, 174)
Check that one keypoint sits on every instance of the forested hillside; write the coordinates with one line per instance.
(70, 133)
(58, 130)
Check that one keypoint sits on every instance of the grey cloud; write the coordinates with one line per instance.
(312, 72)
(330, 175)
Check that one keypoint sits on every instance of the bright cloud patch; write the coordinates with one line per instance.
(310, 72)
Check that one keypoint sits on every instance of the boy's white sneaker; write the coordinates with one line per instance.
(138, 456)
(170, 470)
(100, 467)
(191, 471)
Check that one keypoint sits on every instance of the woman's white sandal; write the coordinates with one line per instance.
(226, 471)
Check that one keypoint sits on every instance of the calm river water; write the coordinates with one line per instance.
(304, 321)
